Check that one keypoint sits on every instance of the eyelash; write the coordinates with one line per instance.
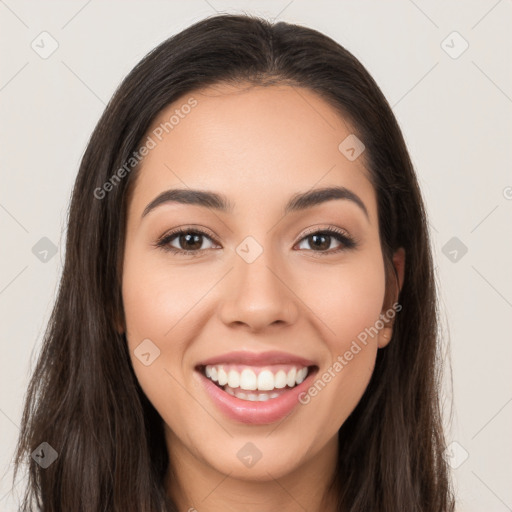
(346, 241)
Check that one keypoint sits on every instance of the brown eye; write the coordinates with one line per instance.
(320, 241)
(185, 241)
(190, 241)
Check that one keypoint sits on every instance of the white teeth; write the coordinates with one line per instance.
(254, 396)
(247, 379)
(301, 375)
(233, 379)
(266, 380)
(290, 379)
(280, 379)
(222, 377)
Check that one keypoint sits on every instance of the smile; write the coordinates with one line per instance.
(256, 383)
(256, 395)
(254, 388)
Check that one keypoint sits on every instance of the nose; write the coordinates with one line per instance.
(259, 294)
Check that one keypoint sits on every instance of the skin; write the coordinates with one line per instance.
(257, 146)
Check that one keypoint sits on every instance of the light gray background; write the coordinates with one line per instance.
(456, 117)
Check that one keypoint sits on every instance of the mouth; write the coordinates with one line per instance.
(256, 391)
(256, 384)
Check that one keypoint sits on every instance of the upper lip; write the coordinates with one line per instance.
(257, 359)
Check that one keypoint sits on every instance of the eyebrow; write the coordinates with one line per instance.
(220, 202)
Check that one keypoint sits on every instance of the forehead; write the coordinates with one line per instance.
(249, 143)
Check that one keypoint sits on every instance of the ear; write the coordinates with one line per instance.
(395, 286)
(384, 336)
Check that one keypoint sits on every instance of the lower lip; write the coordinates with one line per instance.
(256, 413)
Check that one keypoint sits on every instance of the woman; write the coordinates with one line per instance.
(247, 315)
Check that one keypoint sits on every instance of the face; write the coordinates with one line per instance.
(236, 313)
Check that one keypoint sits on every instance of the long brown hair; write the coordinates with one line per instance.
(84, 399)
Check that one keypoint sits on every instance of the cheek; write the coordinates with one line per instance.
(348, 298)
(163, 303)
(348, 303)
(157, 297)
(156, 302)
